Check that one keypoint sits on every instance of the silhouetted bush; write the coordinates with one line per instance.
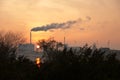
(12, 68)
(61, 63)
(85, 64)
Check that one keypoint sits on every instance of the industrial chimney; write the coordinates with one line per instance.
(30, 37)
(64, 42)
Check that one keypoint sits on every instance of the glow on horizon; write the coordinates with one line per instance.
(22, 15)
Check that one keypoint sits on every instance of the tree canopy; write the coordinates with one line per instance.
(85, 63)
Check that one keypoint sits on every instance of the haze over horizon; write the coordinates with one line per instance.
(99, 20)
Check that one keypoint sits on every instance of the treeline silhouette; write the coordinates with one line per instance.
(11, 67)
(61, 63)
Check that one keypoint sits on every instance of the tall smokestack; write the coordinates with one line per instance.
(64, 40)
(64, 43)
(30, 37)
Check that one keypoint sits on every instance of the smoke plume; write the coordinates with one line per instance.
(52, 26)
(65, 25)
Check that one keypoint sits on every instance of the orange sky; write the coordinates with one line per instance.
(104, 26)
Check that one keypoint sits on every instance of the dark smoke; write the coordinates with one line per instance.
(65, 25)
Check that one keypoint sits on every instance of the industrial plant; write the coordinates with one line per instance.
(30, 51)
(33, 52)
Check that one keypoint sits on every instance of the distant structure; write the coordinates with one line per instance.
(108, 43)
(64, 40)
(26, 47)
(64, 43)
(33, 52)
(29, 51)
(109, 51)
(30, 37)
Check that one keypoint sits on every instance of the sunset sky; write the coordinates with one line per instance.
(99, 20)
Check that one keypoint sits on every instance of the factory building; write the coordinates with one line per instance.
(30, 51)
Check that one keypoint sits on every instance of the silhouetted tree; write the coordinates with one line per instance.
(12, 68)
(86, 64)
(50, 48)
(62, 63)
(8, 45)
